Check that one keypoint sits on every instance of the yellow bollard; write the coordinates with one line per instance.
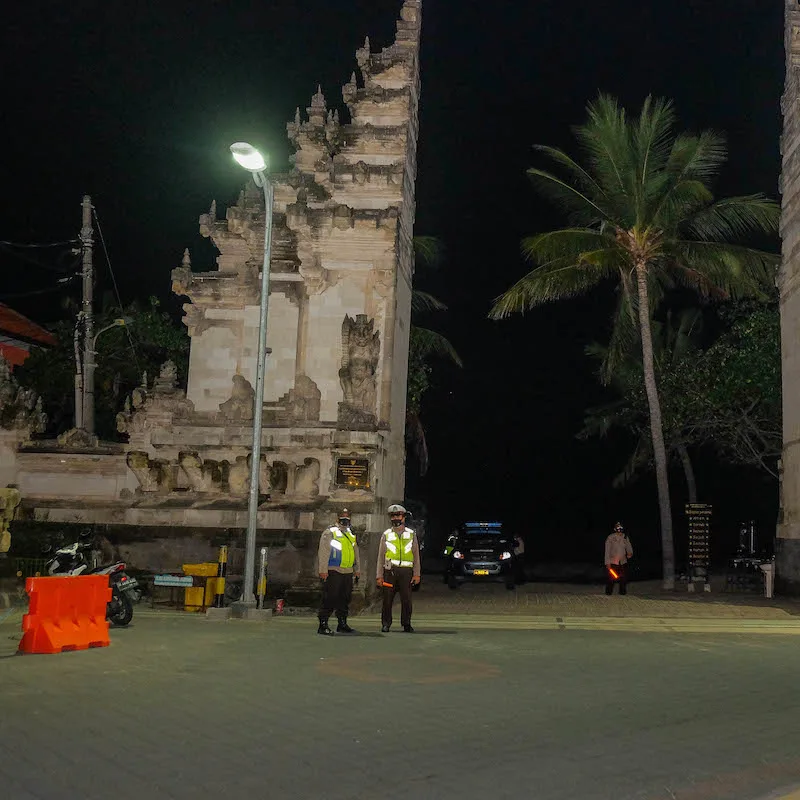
(222, 570)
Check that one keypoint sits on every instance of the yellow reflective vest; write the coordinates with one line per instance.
(400, 548)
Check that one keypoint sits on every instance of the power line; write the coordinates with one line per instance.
(61, 282)
(116, 288)
(30, 260)
(33, 244)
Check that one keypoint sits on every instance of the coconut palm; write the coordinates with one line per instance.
(676, 339)
(424, 344)
(640, 211)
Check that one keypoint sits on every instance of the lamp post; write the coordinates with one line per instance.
(88, 374)
(248, 157)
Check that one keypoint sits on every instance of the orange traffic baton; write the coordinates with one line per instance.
(66, 613)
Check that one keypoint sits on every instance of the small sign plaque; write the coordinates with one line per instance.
(698, 517)
(172, 580)
(352, 473)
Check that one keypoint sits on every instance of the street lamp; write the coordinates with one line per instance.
(248, 157)
(88, 377)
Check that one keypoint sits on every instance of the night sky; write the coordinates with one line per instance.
(137, 103)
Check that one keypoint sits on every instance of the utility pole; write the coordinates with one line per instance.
(86, 312)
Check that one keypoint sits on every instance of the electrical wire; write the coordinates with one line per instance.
(60, 285)
(32, 244)
(30, 260)
(116, 288)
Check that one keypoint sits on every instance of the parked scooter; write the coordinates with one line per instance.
(71, 560)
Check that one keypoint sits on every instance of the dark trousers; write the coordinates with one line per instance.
(400, 578)
(621, 570)
(336, 593)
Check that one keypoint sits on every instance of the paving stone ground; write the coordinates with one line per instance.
(477, 704)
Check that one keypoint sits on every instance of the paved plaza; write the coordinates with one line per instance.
(478, 703)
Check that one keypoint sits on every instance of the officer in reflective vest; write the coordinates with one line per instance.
(338, 564)
(398, 568)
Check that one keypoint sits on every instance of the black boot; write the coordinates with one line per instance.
(324, 629)
(343, 627)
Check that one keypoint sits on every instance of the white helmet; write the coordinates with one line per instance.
(396, 508)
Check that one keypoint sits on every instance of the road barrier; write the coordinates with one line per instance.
(65, 613)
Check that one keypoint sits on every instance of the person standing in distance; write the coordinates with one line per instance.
(338, 564)
(618, 551)
(398, 568)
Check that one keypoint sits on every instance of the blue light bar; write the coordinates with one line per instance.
(495, 525)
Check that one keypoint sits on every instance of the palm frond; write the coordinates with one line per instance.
(429, 251)
(640, 458)
(608, 148)
(430, 343)
(581, 178)
(625, 336)
(415, 437)
(424, 301)
(581, 207)
(733, 270)
(652, 142)
(734, 218)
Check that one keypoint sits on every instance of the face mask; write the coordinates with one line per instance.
(396, 523)
(344, 523)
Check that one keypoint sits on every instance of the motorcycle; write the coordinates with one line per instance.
(71, 560)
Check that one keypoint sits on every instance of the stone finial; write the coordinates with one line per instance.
(317, 109)
(186, 261)
(349, 90)
(213, 210)
(318, 100)
(363, 54)
(297, 116)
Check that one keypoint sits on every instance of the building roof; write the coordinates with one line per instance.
(12, 323)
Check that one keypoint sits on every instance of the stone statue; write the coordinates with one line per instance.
(239, 476)
(307, 478)
(360, 353)
(20, 409)
(154, 475)
(203, 476)
(239, 407)
(167, 380)
(9, 500)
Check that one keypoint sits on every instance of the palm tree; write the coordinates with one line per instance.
(424, 344)
(674, 340)
(641, 211)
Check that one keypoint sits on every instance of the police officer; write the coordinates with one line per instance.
(617, 552)
(338, 564)
(398, 568)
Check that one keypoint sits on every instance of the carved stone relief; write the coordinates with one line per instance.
(203, 475)
(239, 407)
(360, 353)
(154, 475)
(20, 409)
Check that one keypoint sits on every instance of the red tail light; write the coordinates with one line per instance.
(119, 568)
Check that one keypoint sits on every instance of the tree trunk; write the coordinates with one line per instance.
(688, 471)
(656, 428)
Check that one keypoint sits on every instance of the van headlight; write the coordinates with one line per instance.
(458, 554)
(505, 556)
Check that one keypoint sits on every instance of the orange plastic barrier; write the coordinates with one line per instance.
(65, 614)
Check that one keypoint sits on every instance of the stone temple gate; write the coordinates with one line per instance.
(339, 315)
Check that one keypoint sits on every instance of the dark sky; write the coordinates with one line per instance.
(136, 103)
